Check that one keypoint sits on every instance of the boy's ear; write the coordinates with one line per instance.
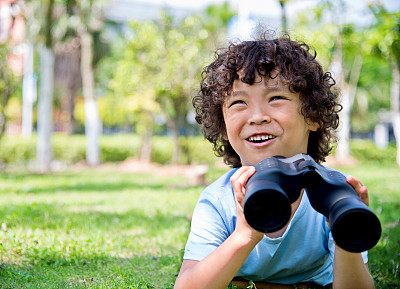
(313, 126)
(224, 135)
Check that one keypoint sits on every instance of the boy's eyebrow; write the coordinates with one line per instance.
(272, 89)
(238, 93)
(277, 88)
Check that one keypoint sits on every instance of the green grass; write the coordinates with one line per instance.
(109, 229)
(92, 229)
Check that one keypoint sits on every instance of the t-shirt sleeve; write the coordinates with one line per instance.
(210, 225)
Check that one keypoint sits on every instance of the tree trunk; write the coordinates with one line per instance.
(70, 106)
(145, 130)
(348, 93)
(44, 152)
(284, 15)
(145, 146)
(173, 126)
(343, 131)
(177, 148)
(395, 106)
(28, 91)
(92, 119)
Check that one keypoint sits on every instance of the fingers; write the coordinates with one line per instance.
(361, 190)
(239, 180)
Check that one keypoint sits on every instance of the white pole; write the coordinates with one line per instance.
(28, 91)
(44, 153)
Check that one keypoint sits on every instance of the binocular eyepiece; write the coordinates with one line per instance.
(278, 182)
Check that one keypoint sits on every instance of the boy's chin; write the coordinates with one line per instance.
(256, 160)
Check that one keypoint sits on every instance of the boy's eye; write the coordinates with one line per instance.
(277, 97)
(237, 102)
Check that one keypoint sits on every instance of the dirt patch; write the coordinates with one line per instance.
(134, 165)
(332, 161)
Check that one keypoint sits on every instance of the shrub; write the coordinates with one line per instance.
(197, 150)
(161, 149)
(69, 149)
(17, 149)
(365, 150)
(116, 148)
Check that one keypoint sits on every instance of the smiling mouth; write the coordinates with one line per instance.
(260, 138)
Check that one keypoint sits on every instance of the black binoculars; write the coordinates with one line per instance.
(278, 182)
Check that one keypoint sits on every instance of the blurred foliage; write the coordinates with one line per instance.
(320, 27)
(384, 33)
(373, 94)
(8, 85)
(154, 68)
(148, 65)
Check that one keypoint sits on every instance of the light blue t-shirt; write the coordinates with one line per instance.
(303, 254)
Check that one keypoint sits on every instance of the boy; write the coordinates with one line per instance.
(259, 99)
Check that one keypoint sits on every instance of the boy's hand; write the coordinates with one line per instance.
(361, 190)
(239, 180)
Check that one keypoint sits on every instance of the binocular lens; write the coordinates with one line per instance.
(267, 210)
(354, 228)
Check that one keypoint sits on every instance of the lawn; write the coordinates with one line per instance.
(106, 228)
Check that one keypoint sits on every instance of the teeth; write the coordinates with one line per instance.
(260, 138)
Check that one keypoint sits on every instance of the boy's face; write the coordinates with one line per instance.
(264, 119)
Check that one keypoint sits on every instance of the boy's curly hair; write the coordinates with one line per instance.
(294, 63)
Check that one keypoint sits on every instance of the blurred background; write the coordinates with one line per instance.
(89, 82)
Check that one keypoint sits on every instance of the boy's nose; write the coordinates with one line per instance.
(258, 116)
